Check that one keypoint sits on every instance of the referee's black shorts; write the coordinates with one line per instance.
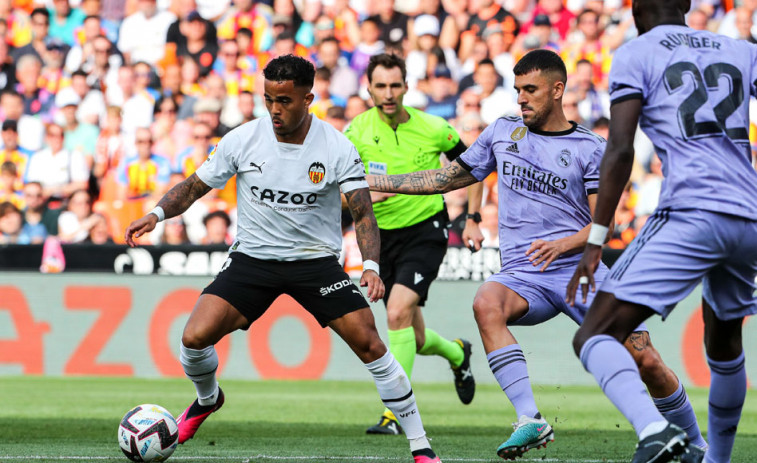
(411, 256)
(320, 285)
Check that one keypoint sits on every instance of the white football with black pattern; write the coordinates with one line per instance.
(148, 433)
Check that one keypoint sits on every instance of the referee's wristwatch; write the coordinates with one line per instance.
(476, 217)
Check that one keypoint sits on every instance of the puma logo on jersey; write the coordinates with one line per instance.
(258, 167)
(417, 278)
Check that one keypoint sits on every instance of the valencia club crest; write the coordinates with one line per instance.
(316, 172)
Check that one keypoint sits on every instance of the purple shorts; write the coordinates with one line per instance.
(545, 293)
(676, 250)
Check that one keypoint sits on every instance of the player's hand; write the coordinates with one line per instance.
(378, 196)
(139, 227)
(375, 285)
(472, 236)
(584, 274)
(544, 252)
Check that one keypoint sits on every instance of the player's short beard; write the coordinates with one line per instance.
(537, 119)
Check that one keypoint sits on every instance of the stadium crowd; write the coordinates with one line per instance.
(105, 104)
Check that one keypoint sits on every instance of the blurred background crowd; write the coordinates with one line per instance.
(105, 104)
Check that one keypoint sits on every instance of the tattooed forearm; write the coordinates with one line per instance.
(425, 182)
(180, 197)
(366, 229)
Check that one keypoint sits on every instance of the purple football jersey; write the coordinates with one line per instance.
(543, 182)
(695, 88)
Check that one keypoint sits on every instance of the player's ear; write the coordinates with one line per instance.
(309, 99)
(558, 88)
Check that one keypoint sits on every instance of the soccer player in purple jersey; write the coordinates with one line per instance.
(689, 90)
(548, 175)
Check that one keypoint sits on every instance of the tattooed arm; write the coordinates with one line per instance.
(366, 229)
(425, 182)
(175, 202)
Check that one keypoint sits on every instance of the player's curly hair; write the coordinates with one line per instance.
(290, 67)
(544, 61)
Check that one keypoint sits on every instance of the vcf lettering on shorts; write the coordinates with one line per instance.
(653, 225)
(326, 290)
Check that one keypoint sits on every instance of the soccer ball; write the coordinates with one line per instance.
(148, 433)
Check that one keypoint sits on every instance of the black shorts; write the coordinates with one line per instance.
(411, 256)
(320, 285)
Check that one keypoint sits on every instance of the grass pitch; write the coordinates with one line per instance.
(76, 419)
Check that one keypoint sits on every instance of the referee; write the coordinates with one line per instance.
(394, 139)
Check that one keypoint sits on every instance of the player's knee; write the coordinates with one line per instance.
(194, 339)
(488, 312)
(651, 367)
(398, 317)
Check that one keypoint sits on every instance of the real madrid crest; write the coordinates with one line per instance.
(316, 172)
(564, 158)
(518, 133)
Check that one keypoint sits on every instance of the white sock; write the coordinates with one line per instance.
(397, 394)
(419, 444)
(200, 366)
(652, 428)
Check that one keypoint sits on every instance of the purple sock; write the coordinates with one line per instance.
(618, 376)
(727, 394)
(509, 367)
(677, 409)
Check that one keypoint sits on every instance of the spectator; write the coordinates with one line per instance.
(217, 225)
(422, 61)
(79, 136)
(76, 222)
(8, 190)
(252, 15)
(13, 153)
(51, 75)
(145, 174)
(60, 171)
(237, 80)
(570, 107)
(169, 136)
(40, 21)
(590, 46)
(107, 26)
(601, 127)
(369, 45)
(92, 106)
(174, 232)
(208, 111)
(41, 220)
(101, 67)
(99, 233)
(625, 220)
(649, 190)
(194, 155)
(469, 103)
(170, 82)
(7, 68)
(560, 17)
(503, 59)
(344, 26)
(37, 101)
(12, 225)
(744, 24)
(83, 52)
(17, 30)
(196, 45)
(442, 100)
(728, 25)
(335, 117)
(175, 39)
(355, 105)
(323, 99)
(490, 225)
(697, 19)
(30, 128)
(344, 81)
(540, 35)
(246, 104)
(495, 100)
(138, 103)
(488, 12)
(142, 36)
(391, 23)
(64, 20)
(593, 102)
(111, 145)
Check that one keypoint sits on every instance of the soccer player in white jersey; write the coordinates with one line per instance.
(548, 173)
(689, 90)
(290, 169)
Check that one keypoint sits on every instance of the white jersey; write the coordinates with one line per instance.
(288, 199)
